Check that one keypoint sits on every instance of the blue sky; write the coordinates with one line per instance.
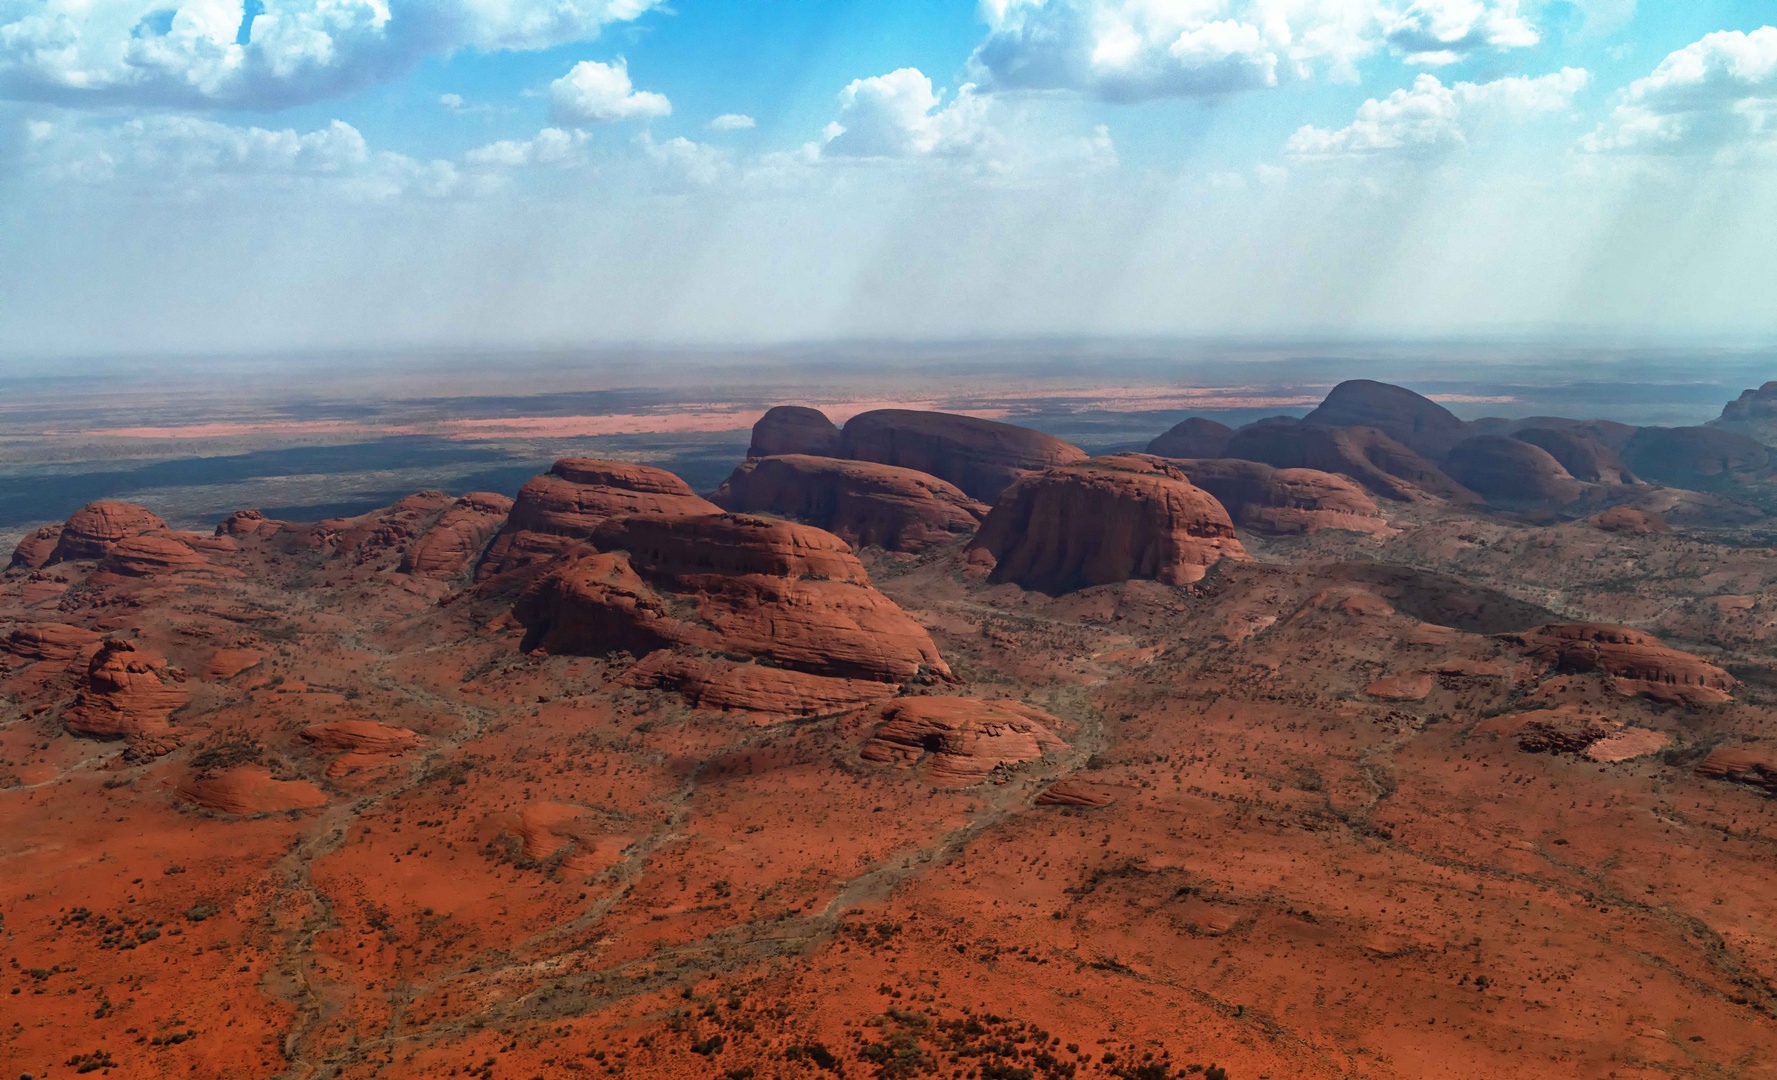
(325, 173)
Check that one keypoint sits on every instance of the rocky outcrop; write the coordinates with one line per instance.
(1415, 687)
(575, 838)
(1104, 521)
(153, 554)
(250, 525)
(124, 695)
(1286, 502)
(449, 549)
(576, 496)
(1754, 767)
(1378, 463)
(794, 429)
(1753, 413)
(1637, 662)
(225, 664)
(1409, 418)
(1688, 456)
(1508, 470)
(711, 682)
(360, 736)
(864, 503)
(250, 789)
(371, 537)
(1584, 457)
(957, 742)
(785, 595)
(982, 457)
(35, 550)
(1193, 438)
(1627, 519)
(53, 642)
(1077, 793)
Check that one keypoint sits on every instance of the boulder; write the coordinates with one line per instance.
(781, 593)
(866, 504)
(1410, 419)
(360, 736)
(1103, 521)
(1584, 457)
(1077, 793)
(794, 429)
(564, 505)
(1507, 470)
(1687, 456)
(249, 525)
(54, 642)
(982, 457)
(1286, 502)
(1192, 438)
(225, 664)
(98, 527)
(35, 550)
(450, 548)
(955, 741)
(1627, 519)
(1637, 662)
(1378, 463)
(123, 695)
(250, 789)
(1754, 767)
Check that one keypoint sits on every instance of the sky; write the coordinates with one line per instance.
(218, 177)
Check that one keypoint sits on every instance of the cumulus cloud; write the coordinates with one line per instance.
(899, 115)
(682, 163)
(732, 122)
(1716, 94)
(1431, 118)
(1132, 50)
(211, 53)
(595, 93)
(551, 146)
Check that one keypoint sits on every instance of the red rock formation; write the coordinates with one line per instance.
(373, 536)
(1104, 521)
(721, 684)
(566, 504)
(864, 503)
(250, 789)
(1380, 464)
(35, 551)
(1080, 793)
(1414, 687)
(249, 525)
(1687, 456)
(1286, 502)
(449, 549)
(1408, 418)
(1625, 519)
(98, 527)
(123, 695)
(574, 835)
(1758, 768)
(1192, 438)
(1638, 662)
(225, 664)
(959, 740)
(786, 594)
(54, 642)
(982, 457)
(794, 429)
(1509, 470)
(153, 554)
(1584, 457)
(360, 736)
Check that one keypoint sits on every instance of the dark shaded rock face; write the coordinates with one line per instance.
(866, 504)
(1584, 457)
(982, 457)
(1691, 455)
(1193, 438)
(794, 429)
(1410, 419)
(1285, 502)
(1103, 521)
(1380, 464)
(1752, 413)
(1508, 470)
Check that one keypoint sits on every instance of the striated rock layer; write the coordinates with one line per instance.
(54, 642)
(250, 789)
(1103, 521)
(1639, 662)
(123, 695)
(982, 457)
(565, 505)
(450, 548)
(958, 741)
(90, 533)
(866, 504)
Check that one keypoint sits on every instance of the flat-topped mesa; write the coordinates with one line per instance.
(89, 533)
(783, 594)
(1104, 521)
(982, 457)
(1505, 469)
(564, 505)
(1411, 419)
(1377, 462)
(957, 742)
(1640, 662)
(794, 429)
(1285, 502)
(864, 503)
(123, 695)
(1687, 456)
(449, 549)
(1195, 437)
(1584, 457)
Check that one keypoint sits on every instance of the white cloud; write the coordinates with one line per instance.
(601, 93)
(732, 122)
(453, 102)
(202, 52)
(551, 146)
(1131, 50)
(683, 163)
(898, 115)
(1431, 118)
(1716, 94)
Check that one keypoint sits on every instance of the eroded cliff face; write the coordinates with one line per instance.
(864, 503)
(981, 457)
